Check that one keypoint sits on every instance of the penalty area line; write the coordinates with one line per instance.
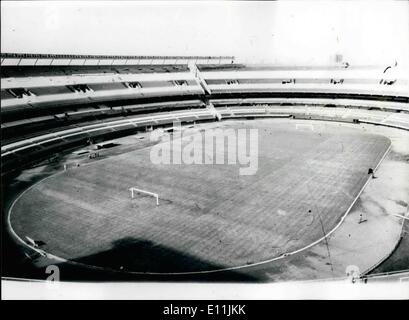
(228, 268)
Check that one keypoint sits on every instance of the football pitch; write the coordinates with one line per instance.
(209, 216)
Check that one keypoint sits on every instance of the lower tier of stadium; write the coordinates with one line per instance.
(25, 148)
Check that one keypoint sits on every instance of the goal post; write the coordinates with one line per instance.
(309, 126)
(135, 190)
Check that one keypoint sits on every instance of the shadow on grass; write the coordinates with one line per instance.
(129, 255)
(142, 256)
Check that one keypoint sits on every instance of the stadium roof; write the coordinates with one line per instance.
(130, 57)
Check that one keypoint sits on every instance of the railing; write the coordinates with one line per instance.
(33, 59)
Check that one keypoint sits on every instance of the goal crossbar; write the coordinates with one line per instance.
(136, 190)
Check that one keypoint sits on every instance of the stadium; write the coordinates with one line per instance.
(328, 198)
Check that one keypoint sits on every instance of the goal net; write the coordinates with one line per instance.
(135, 191)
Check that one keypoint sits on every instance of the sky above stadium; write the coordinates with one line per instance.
(284, 32)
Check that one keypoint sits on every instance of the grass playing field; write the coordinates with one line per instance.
(209, 216)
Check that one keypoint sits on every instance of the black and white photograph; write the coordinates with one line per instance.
(205, 150)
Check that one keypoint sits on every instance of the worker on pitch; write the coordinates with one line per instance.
(371, 172)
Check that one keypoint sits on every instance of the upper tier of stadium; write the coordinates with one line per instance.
(44, 80)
